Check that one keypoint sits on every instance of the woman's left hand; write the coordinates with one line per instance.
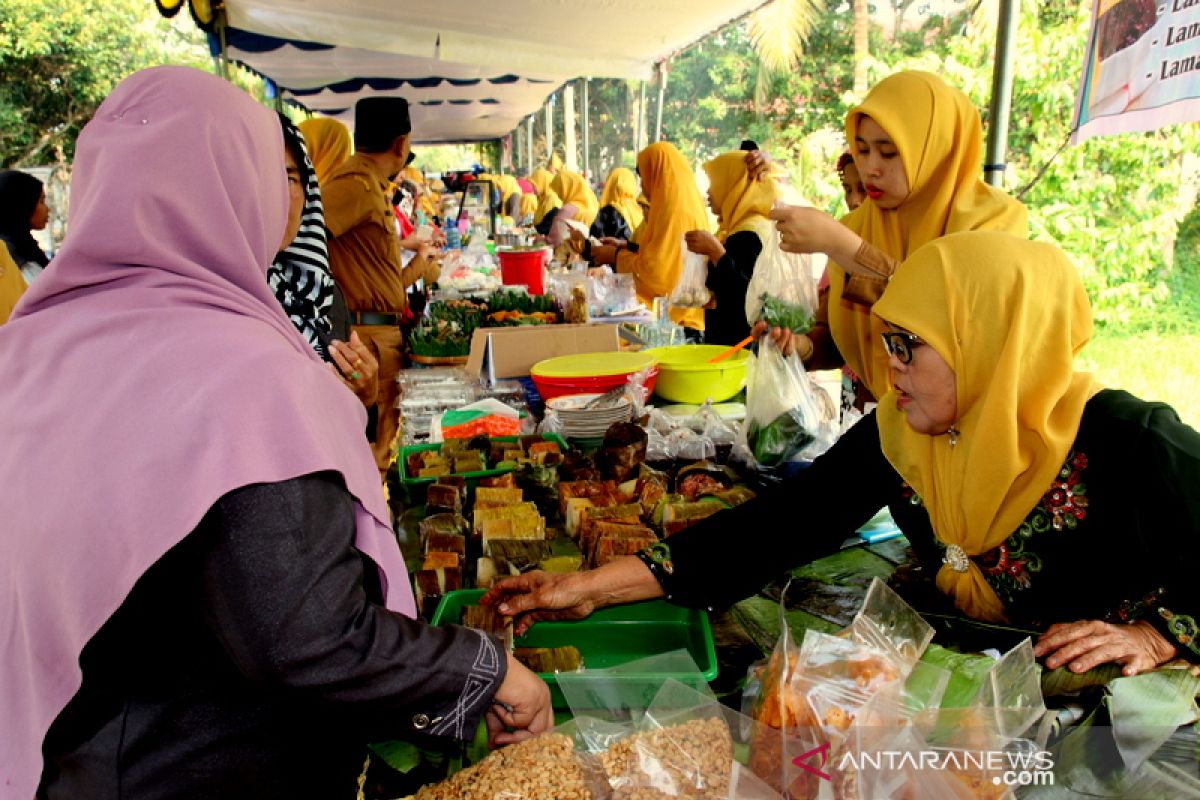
(705, 244)
(1080, 646)
(356, 368)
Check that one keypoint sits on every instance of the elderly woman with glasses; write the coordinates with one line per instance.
(1037, 497)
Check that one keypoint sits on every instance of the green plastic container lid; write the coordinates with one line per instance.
(592, 365)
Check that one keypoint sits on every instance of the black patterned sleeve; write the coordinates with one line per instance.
(1166, 488)
(290, 600)
(734, 553)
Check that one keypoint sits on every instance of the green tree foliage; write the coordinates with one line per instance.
(1114, 203)
(59, 59)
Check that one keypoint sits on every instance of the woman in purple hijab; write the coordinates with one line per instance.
(201, 592)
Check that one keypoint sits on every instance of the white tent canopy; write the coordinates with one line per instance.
(497, 62)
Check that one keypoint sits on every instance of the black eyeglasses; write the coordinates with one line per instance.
(900, 344)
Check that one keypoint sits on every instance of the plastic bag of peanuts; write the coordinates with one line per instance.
(684, 747)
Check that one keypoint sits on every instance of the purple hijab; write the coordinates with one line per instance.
(149, 371)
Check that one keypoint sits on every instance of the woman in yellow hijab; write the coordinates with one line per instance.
(741, 205)
(917, 143)
(328, 144)
(12, 284)
(578, 203)
(1035, 497)
(548, 201)
(620, 214)
(675, 209)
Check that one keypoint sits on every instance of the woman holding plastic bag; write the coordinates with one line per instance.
(1035, 496)
(742, 252)
(917, 143)
(675, 208)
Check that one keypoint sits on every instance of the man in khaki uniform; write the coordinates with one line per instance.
(364, 250)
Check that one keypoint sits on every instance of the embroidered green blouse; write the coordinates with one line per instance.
(1116, 536)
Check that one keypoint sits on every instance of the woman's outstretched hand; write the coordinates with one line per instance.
(1080, 646)
(540, 595)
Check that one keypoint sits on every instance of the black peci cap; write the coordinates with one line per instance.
(379, 121)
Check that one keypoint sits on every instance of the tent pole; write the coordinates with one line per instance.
(641, 117)
(222, 58)
(1001, 105)
(570, 150)
(529, 143)
(549, 128)
(662, 91)
(586, 127)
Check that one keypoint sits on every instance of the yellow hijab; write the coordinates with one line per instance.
(508, 186)
(744, 203)
(547, 199)
(554, 164)
(328, 144)
(1008, 315)
(939, 138)
(572, 188)
(12, 284)
(675, 209)
(621, 192)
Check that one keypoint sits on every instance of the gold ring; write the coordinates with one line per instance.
(358, 364)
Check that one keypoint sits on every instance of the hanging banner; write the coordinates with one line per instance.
(1142, 67)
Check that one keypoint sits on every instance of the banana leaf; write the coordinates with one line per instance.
(854, 566)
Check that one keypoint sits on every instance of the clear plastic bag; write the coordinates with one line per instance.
(547, 767)
(691, 291)
(784, 413)
(782, 290)
(661, 739)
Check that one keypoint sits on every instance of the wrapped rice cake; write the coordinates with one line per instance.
(629, 514)
(515, 556)
(518, 510)
(614, 540)
(495, 497)
(679, 516)
(585, 489)
(432, 584)
(550, 659)
(441, 523)
(507, 480)
(439, 542)
(442, 498)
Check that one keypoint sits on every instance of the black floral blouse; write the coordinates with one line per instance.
(1115, 537)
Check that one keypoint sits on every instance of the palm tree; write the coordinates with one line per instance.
(778, 31)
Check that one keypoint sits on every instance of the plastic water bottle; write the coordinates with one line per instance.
(453, 237)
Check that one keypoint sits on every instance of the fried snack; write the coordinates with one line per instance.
(694, 758)
(542, 768)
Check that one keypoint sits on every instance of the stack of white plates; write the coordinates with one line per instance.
(580, 422)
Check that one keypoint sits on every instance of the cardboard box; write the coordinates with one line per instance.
(512, 352)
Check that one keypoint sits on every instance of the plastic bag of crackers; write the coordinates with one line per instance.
(813, 695)
(683, 747)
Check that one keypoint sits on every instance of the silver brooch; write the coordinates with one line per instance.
(957, 558)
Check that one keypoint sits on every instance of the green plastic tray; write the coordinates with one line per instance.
(414, 488)
(612, 636)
